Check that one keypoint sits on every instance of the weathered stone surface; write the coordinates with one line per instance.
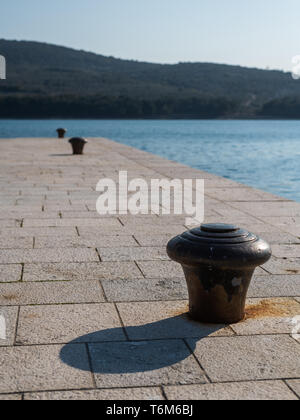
(152, 240)
(98, 232)
(9, 223)
(123, 394)
(275, 286)
(38, 231)
(264, 390)
(8, 322)
(286, 251)
(147, 363)
(133, 254)
(81, 242)
(10, 273)
(229, 359)
(16, 243)
(286, 208)
(283, 266)
(80, 271)
(238, 194)
(50, 293)
(279, 238)
(61, 324)
(155, 320)
(10, 397)
(67, 222)
(134, 290)
(161, 269)
(268, 316)
(38, 368)
(48, 255)
(81, 215)
(295, 385)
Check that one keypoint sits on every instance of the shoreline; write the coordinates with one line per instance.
(150, 119)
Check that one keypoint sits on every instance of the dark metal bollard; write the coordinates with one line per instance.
(61, 132)
(218, 261)
(78, 144)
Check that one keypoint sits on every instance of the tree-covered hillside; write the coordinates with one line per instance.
(50, 81)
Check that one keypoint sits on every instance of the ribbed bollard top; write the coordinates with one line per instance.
(219, 233)
(220, 245)
(218, 228)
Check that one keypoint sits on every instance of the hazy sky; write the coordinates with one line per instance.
(255, 33)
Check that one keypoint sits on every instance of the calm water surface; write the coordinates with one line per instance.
(264, 154)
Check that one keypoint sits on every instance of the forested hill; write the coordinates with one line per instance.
(50, 81)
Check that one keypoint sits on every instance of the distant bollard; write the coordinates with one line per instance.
(218, 261)
(61, 132)
(78, 144)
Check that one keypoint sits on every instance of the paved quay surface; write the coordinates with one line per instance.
(94, 308)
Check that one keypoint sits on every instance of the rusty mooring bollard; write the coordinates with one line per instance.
(218, 261)
(61, 132)
(78, 144)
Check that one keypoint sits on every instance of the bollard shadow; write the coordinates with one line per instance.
(152, 346)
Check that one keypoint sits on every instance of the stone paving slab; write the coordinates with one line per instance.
(38, 231)
(133, 254)
(21, 214)
(161, 269)
(275, 286)
(279, 237)
(152, 240)
(11, 397)
(10, 273)
(80, 271)
(248, 358)
(68, 222)
(16, 243)
(161, 320)
(134, 290)
(283, 266)
(295, 385)
(93, 301)
(50, 293)
(57, 255)
(55, 325)
(268, 316)
(144, 363)
(38, 368)
(123, 394)
(9, 223)
(284, 208)
(286, 251)
(81, 242)
(258, 391)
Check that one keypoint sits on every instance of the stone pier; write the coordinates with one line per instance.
(94, 309)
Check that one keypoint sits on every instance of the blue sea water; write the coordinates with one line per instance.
(263, 154)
